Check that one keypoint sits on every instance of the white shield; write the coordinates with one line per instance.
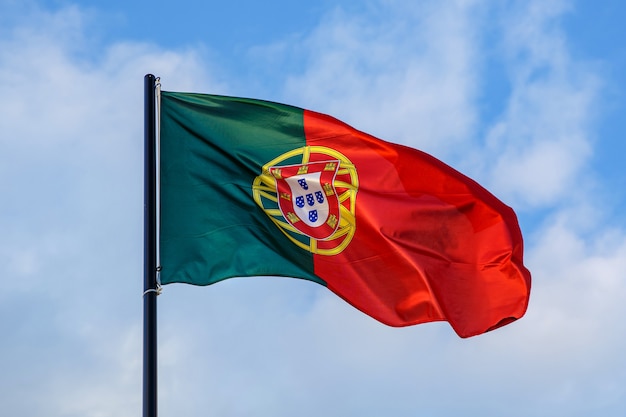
(308, 198)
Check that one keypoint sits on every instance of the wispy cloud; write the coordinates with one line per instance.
(542, 141)
(408, 78)
(71, 165)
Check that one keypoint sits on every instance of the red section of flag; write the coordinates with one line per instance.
(430, 243)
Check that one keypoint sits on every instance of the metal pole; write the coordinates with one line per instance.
(150, 255)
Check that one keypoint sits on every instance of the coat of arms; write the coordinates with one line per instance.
(307, 197)
(310, 194)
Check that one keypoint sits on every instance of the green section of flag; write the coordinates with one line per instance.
(211, 150)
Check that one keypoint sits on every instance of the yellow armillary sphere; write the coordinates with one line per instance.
(309, 193)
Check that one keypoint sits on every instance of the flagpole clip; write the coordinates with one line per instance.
(159, 288)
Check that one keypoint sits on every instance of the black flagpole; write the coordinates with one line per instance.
(150, 252)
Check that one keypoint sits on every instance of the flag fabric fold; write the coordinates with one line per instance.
(253, 188)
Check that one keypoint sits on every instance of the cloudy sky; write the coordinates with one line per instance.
(527, 97)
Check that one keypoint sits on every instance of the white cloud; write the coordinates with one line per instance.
(542, 142)
(409, 77)
(71, 164)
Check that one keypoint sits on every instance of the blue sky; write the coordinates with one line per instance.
(526, 97)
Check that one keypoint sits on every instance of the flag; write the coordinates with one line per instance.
(256, 188)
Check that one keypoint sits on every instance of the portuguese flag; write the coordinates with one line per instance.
(253, 188)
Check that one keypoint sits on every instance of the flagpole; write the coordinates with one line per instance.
(150, 252)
